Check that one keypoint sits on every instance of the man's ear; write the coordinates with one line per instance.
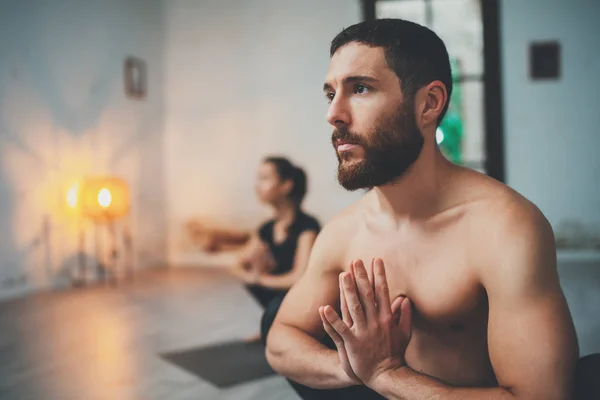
(435, 97)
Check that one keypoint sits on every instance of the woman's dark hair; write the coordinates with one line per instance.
(288, 171)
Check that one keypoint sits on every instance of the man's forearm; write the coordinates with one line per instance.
(301, 358)
(407, 384)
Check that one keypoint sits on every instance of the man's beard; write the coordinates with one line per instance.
(389, 151)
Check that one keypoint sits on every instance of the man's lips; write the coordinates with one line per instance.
(342, 145)
(346, 147)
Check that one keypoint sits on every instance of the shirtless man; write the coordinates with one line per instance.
(475, 260)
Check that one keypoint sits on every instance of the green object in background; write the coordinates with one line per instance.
(450, 132)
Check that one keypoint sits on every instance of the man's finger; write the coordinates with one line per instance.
(337, 339)
(354, 307)
(370, 271)
(396, 309)
(405, 323)
(365, 290)
(382, 293)
(344, 306)
(339, 344)
(336, 323)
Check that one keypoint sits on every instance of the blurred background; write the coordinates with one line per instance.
(123, 121)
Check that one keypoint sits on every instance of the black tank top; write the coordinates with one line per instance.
(284, 252)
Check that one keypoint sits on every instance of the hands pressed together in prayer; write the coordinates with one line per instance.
(258, 261)
(372, 335)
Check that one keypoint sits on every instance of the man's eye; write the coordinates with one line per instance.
(360, 89)
(330, 96)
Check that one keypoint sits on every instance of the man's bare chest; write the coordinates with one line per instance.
(434, 272)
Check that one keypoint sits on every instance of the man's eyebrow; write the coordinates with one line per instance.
(359, 78)
(352, 79)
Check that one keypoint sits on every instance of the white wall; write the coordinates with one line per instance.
(552, 127)
(63, 115)
(552, 138)
(244, 81)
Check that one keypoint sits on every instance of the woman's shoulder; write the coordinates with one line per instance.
(308, 222)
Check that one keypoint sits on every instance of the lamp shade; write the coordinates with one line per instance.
(104, 197)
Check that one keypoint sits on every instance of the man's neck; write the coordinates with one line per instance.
(419, 192)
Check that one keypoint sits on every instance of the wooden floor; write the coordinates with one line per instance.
(104, 343)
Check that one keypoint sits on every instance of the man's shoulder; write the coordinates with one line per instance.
(502, 222)
(344, 223)
(503, 210)
(335, 235)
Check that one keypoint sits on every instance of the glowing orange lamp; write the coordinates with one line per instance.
(104, 198)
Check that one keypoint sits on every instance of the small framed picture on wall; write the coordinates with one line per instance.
(135, 78)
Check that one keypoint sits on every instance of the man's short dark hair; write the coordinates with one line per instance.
(415, 53)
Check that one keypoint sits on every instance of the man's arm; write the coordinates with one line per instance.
(306, 241)
(531, 338)
(293, 344)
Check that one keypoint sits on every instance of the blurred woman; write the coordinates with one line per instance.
(276, 254)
